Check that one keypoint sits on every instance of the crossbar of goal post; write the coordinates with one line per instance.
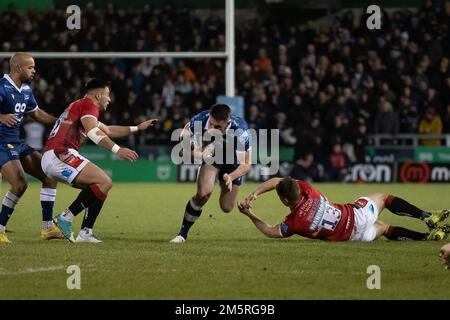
(228, 55)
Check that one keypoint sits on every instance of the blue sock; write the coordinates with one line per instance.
(190, 215)
(47, 210)
(9, 202)
(47, 202)
(5, 214)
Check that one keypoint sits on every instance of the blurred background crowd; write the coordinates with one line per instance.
(325, 88)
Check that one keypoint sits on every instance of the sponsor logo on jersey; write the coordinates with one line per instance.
(319, 215)
(73, 161)
(360, 203)
(66, 172)
(10, 146)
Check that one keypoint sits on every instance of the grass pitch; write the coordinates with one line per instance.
(225, 257)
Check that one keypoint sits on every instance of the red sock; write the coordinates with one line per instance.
(388, 201)
(98, 193)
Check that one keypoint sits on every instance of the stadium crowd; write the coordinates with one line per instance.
(326, 89)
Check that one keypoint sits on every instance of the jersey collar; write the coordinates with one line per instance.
(7, 77)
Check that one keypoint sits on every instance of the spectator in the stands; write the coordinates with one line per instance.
(349, 82)
(306, 168)
(431, 123)
(446, 120)
(386, 122)
(339, 163)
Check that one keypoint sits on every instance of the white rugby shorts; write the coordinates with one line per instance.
(64, 167)
(365, 218)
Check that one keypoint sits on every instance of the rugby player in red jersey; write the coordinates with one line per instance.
(62, 161)
(314, 216)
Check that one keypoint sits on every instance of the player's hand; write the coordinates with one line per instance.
(148, 123)
(8, 119)
(127, 154)
(445, 255)
(208, 151)
(228, 181)
(243, 209)
(248, 201)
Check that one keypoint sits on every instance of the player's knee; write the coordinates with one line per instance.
(383, 201)
(203, 195)
(108, 184)
(226, 207)
(49, 183)
(383, 197)
(379, 198)
(105, 184)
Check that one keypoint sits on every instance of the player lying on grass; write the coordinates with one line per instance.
(314, 216)
(16, 156)
(229, 172)
(62, 161)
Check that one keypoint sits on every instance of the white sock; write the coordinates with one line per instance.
(86, 231)
(47, 225)
(194, 206)
(67, 215)
(48, 194)
(10, 200)
(2, 228)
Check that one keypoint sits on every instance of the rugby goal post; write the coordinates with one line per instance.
(228, 54)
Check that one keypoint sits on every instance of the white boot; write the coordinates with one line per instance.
(86, 235)
(178, 239)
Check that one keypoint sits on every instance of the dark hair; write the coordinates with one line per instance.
(96, 83)
(220, 112)
(289, 189)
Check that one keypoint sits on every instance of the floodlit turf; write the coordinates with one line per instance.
(225, 256)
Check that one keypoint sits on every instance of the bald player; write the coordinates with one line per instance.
(445, 255)
(16, 157)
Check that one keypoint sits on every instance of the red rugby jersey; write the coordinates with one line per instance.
(68, 130)
(317, 218)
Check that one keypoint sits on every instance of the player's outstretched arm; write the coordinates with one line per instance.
(268, 185)
(123, 131)
(266, 229)
(43, 117)
(100, 138)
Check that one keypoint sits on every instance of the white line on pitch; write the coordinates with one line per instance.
(31, 270)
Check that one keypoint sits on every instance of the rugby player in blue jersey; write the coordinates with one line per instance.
(16, 157)
(234, 131)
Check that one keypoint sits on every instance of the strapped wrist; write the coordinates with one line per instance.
(134, 129)
(115, 148)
